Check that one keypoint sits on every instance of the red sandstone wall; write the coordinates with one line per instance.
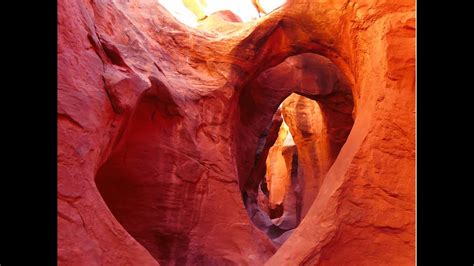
(177, 144)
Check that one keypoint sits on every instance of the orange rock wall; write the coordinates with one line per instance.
(319, 133)
(278, 175)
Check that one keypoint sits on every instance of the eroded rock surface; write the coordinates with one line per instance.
(159, 124)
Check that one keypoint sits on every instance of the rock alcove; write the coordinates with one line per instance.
(161, 128)
(157, 191)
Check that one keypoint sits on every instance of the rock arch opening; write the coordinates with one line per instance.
(178, 205)
(298, 145)
(295, 152)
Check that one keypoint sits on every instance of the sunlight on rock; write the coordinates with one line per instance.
(192, 12)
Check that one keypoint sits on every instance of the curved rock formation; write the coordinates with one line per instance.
(319, 129)
(278, 199)
(159, 124)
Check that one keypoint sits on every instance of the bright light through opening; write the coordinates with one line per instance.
(242, 8)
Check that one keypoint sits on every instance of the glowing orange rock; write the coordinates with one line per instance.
(278, 173)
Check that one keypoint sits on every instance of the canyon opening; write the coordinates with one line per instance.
(281, 159)
(205, 132)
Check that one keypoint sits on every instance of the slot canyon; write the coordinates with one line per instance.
(278, 133)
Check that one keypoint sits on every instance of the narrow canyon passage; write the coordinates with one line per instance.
(283, 137)
(294, 153)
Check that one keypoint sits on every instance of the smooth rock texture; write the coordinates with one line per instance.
(278, 176)
(295, 171)
(159, 124)
(319, 129)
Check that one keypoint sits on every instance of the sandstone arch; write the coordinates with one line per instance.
(107, 51)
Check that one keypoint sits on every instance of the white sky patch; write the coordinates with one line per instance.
(289, 138)
(180, 12)
(242, 8)
(270, 5)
